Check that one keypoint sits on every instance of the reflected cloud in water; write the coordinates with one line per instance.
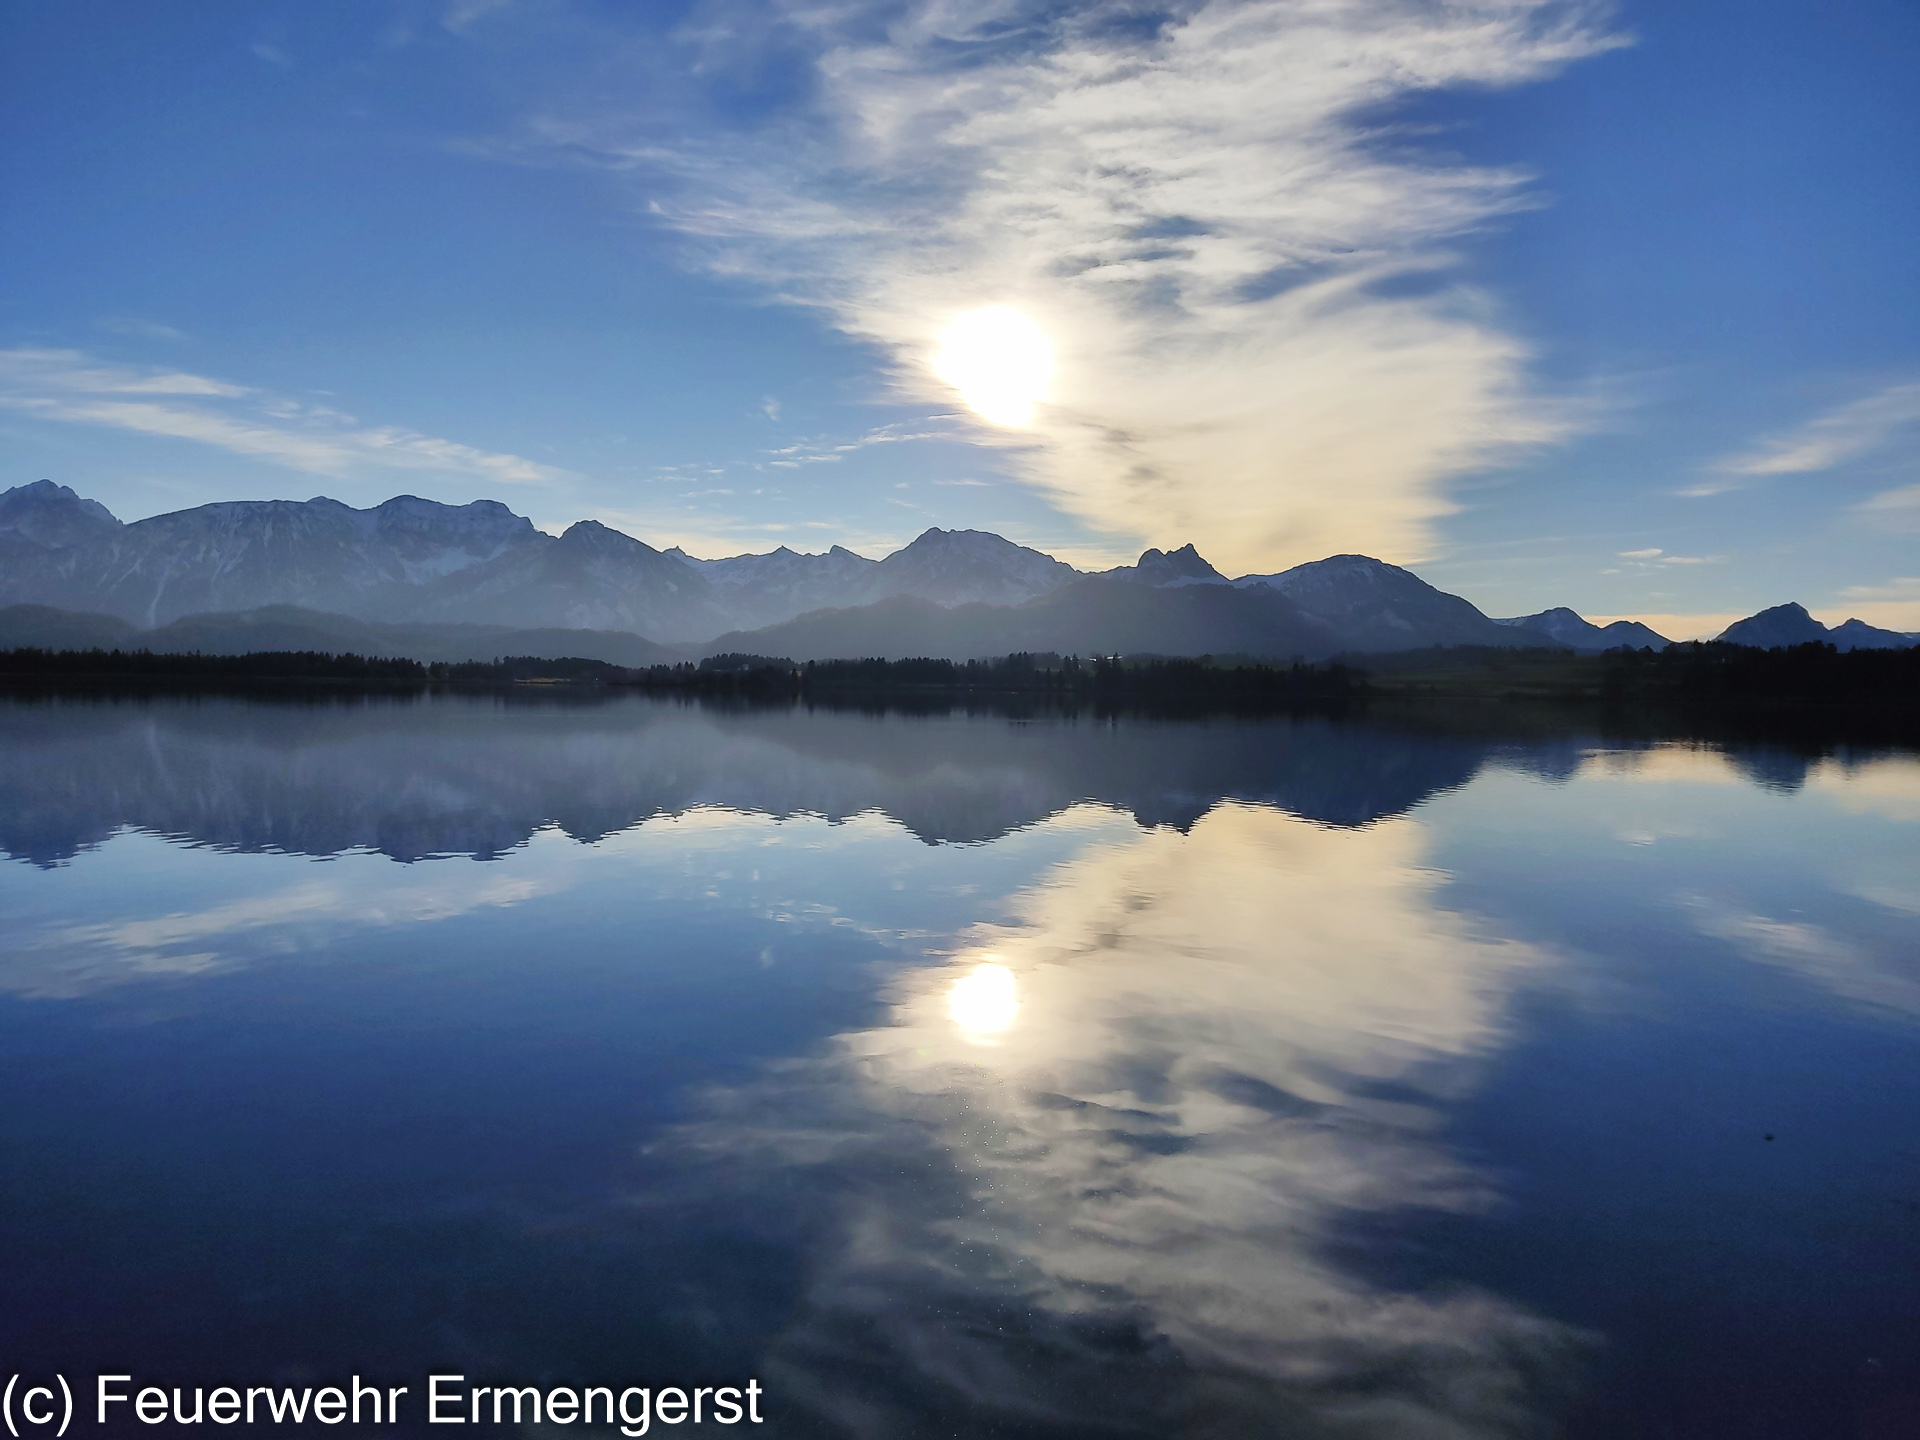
(1887, 981)
(1095, 1170)
(60, 961)
(1876, 966)
(1122, 1077)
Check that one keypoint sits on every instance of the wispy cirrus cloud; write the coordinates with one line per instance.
(1896, 509)
(825, 452)
(71, 387)
(141, 329)
(1844, 433)
(1905, 587)
(462, 13)
(1241, 271)
(1649, 559)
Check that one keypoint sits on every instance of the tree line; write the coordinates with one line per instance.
(1687, 672)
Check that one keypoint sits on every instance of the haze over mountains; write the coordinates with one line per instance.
(445, 582)
(418, 560)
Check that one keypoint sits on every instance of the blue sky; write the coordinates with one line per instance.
(1608, 307)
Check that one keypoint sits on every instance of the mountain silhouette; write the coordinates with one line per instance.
(1566, 627)
(1790, 624)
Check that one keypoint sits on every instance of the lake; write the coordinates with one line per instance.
(961, 1074)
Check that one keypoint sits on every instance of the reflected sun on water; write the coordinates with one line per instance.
(984, 1001)
(1251, 1078)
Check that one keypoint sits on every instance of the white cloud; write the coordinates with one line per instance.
(26, 370)
(1897, 509)
(1648, 561)
(1842, 434)
(461, 14)
(141, 329)
(1717, 486)
(1240, 273)
(70, 387)
(822, 452)
(1905, 587)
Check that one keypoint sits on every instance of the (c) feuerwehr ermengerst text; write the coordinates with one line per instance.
(33, 1408)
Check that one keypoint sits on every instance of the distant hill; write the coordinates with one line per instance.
(1369, 606)
(241, 555)
(766, 589)
(1790, 624)
(1858, 635)
(1378, 607)
(291, 628)
(411, 559)
(1567, 627)
(590, 577)
(42, 627)
(965, 567)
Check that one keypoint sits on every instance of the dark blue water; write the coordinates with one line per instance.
(961, 1075)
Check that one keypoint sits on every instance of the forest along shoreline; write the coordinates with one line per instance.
(1690, 685)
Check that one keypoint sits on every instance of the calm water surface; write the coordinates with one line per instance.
(964, 1076)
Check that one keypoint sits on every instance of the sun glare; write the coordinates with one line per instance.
(983, 1001)
(999, 361)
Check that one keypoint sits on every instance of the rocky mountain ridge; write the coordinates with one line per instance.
(415, 560)
(420, 578)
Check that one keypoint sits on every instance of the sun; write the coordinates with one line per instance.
(999, 361)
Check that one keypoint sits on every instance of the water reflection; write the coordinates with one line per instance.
(1210, 1052)
(962, 1076)
(1862, 955)
(480, 775)
(66, 956)
(984, 1000)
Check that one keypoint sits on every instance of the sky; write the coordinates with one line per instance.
(1608, 306)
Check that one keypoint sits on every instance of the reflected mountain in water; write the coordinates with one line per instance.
(1091, 1176)
(1230, 1092)
(415, 777)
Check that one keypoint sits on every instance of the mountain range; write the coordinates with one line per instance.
(1791, 625)
(414, 560)
(446, 582)
(1567, 628)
